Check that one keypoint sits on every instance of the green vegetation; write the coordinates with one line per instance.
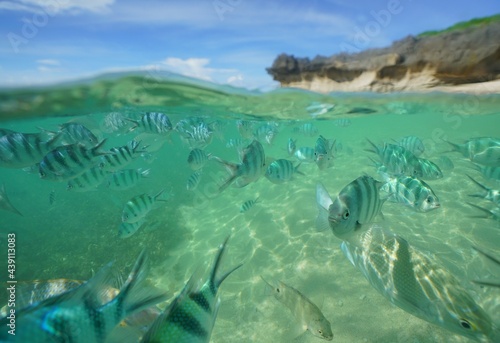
(463, 25)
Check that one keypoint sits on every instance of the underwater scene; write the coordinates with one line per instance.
(156, 208)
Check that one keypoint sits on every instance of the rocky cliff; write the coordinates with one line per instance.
(465, 56)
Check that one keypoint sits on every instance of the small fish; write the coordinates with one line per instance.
(482, 150)
(343, 122)
(87, 181)
(305, 154)
(128, 229)
(281, 170)
(122, 156)
(304, 310)
(323, 152)
(411, 192)
(74, 133)
(191, 315)
(52, 197)
(492, 195)
(139, 206)
(153, 122)
(193, 180)
(78, 316)
(197, 158)
(356, 205)
(307, 129)
(397, 160)
(493, 259)
(20, 150)
(413, 281)
(316, 108)
(5, 203)
(250, 169)
(69, 161)
(266, 133)
(126, 179)
(247, 205)
(291, 146)
(198, 136)
(412, 144)
(429, 170)
(115, 122)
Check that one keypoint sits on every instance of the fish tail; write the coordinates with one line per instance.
(133, 127)
(487, 213)
(233, 170)
(215, 268)
(456, 147)
(133, 295)
(375, 150)
(296, 169)
(95, 150)
(478, 195)
(159, 194)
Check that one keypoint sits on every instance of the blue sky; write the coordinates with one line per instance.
(223, 41)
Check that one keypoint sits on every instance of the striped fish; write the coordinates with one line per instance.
(77, 316)
(69, 161)
(397, 160)
(139, 206)
(153, 122)
(356, 205)
(193, 180)
(429, 170)
(411, 192)
(491, 173)
(482, 150)
(304, 310)
(128, 229)
(250, 169)
(247, 205)
(5, 203)
(413, 281)
(198, 136)
(342, 122)
(190, 318)
(87, 181)
(305, 154)
(281, 170)
(126, 179)
(115, 122)
(493, 259)
(323, 153)
(307, 129)
(74, 133)
(20, 150)
(120, 157)
(197, 158)
(412, 144)
(492, 195)
(266, 133)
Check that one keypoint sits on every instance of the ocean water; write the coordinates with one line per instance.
(77, 233)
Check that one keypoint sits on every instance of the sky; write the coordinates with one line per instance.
(222, 41)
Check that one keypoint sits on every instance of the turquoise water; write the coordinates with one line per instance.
(77, 233)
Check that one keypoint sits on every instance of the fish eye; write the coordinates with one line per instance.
(430, 199)
(346, 214)
(465, 324)
(320, 331)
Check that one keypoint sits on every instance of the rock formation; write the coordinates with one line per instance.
(464, 56)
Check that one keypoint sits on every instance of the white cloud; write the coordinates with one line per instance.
(49, 62)
(52, 7)
(48, 65)
(198, 68)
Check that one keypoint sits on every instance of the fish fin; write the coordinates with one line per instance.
(96, 152)
(375, 150)
(488, 256)
(481, 186)
(133, 127)
(233, 170)
(297, 171)
(347, 249)
(133, 295)
(159, 194)
(486, 283)
(486, 213)
(215, 267)
(323, 200)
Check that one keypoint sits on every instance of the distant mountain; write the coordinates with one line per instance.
(468, 52)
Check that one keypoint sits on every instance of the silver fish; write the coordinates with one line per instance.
(266, 133)
(126, 179)
(429, 170)
(411, 192)
(397, 160)
(413, 281)
(191, 315)
(291, 146)
(304, 310)
(153, 122)
(305, 154)
(247, 205)
(139, 206)
(323, 153)
(5, 203)
(198, 136)
(193, 180)
(20, 150)
(197, 158)
(281, 170)
(128, 229)
(78, 316)
(122, 156)
(357, 204)
(412, 144)
(307, 129)
(482, 150)
(87, 181)
(492, 195)
(115, 122)
(69, 161)
(250, 169)
(74, 133)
